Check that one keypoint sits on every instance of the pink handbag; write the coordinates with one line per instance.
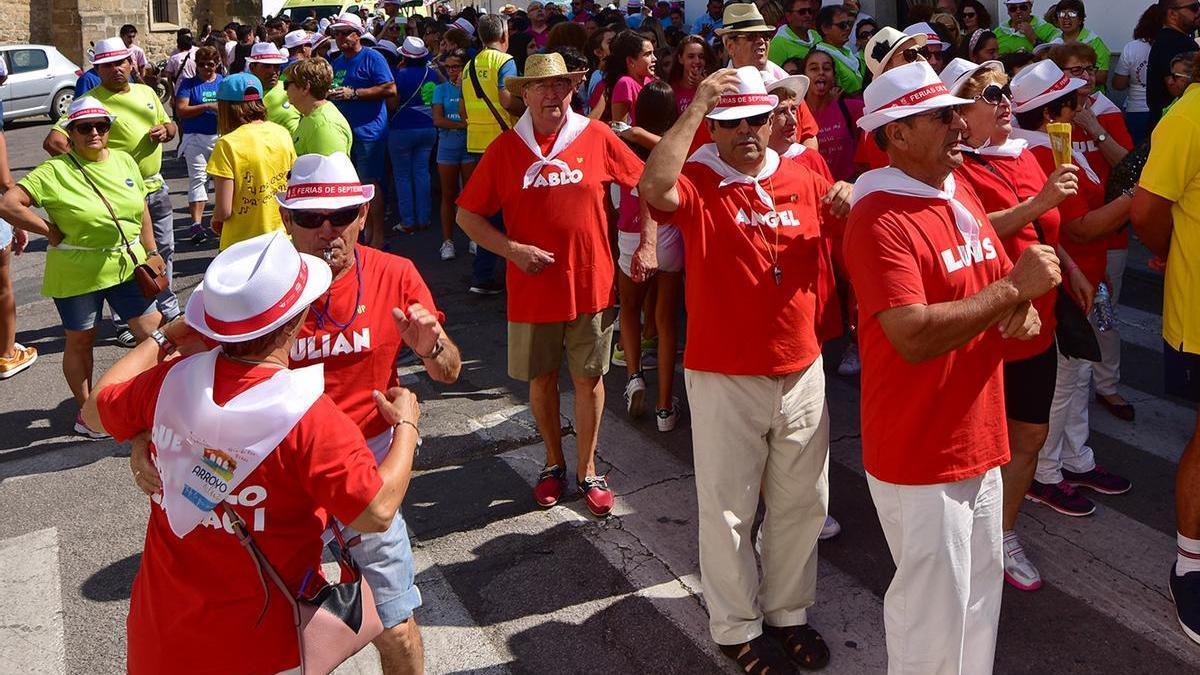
(333, 623)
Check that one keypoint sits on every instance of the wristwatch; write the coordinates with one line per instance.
(438, 348)
(164, 343)
(353, 94)
(1101, 138)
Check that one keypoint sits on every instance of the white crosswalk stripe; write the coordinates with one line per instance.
(31, 616)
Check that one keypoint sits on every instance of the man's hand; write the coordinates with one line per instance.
(709, 92)
(1026, 29)
(644, 263)
(159, 133)
(418, 327)
(145, 474)
(1036, 272)
(530, 259)
(1062, 183)
(20, 240)
(339, 94)
(186, 339)
(1022, 323)
(838, 199)
(399, 405)
(55, 235)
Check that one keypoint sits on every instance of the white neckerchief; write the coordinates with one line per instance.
(574, 125)
(1040, 139)
(1012, 148)
(204, 450)
(794, 150)
(894, 181)
(707, 155)
(1101, 105)
(848, 58)
(787, 34)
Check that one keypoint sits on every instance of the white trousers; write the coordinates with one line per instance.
(1107, 373)
(943, 605)
(1066, 441)
(752, 434)
(195, 149)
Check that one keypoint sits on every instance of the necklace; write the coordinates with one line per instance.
(323, 313)
(772, 254)
(251, 363)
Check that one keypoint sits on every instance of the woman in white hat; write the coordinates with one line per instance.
(238, 437)
(99, 230)
(411, 134)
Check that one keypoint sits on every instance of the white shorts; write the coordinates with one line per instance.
(670, 249)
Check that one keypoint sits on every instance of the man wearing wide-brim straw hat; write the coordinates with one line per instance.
(936, 294)
(751, 226)
(549, 175)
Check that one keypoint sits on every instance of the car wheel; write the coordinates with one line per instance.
(61, 104)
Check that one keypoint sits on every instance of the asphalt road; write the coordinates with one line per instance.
(511, 588)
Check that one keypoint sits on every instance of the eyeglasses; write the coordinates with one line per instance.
(943, 115)
(311, 220)
(86, 128)
(560, 86)
(1068, 14)
(755, 121)
(1080, 71)
(1194, 7)
(1020, 8)
(994, 94)
(844, 25)
(1180, 76)
(450, 67)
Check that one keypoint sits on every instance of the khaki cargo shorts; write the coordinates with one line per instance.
(536, 349)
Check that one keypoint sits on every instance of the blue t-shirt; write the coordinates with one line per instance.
(367, 68)
(196, 92)
(449, 96)
(414, 92)
(86, 82)
(633, 21)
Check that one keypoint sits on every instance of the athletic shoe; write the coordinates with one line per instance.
(618, 357)
(1018, 571)
(1098, 479)
(649, 352)
(403, 229)
(22, 358)
(635, 395)
(850, 365)
(551, 482)
(472, 248)
(1185, 593)
(597, 495)
(82, 428)
(126, 339)
(487, 288)
(667, 418)
(447, 250)
(198, 234)
(1061, 497)
(830, 529)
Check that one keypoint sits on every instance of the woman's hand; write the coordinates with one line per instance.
(186, 339)
(53, 234)
(399, 405)
(1080, 289)
(145, 473)
(644, 263)
(20, 240)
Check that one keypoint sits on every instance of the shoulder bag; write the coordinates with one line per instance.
(333, 623)
(1073, 332)
(151, 276)
(482, 96)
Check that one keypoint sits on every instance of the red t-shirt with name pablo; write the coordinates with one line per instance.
(561, 212)
(941, 420)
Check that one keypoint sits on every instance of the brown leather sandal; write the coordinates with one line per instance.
(759, 656)
(803, 644)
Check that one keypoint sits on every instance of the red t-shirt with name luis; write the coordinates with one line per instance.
(1001, 183)
(740, 322)
(562, 212)
(940, 420)
(361, 356)
(204, 589)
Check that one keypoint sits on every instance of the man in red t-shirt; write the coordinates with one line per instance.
(751, 225)
(936, 293)
(237, 435)
(550, 176)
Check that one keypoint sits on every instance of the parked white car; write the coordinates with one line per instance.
(41, 81)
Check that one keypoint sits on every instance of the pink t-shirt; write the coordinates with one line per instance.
(683, 96)
(837, 138)
(629, 212)
(626, 91)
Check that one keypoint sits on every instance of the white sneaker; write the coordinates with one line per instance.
(635, 396)
(447, 250)
(472, 248)
(830, 529)
(1018, 571)
(83, 429)
(667, 418)
(850, 365)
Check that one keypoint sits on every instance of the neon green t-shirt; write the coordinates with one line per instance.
(324, 132)
(279, 109)
(1009, 40)
(848, 67)
(257, 158)
(92, 255)
(136, 111)
(786, 45)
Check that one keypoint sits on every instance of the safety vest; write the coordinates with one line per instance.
(482, 128)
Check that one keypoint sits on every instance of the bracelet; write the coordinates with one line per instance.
(437, 350)
(151, 253)
(411, 424)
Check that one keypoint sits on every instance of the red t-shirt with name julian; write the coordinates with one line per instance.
(361, 356)
(204, 588)
(941, 420)
(561, 212)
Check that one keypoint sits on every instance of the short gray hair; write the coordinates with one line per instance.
(491, 28)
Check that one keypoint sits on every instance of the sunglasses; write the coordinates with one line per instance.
(206, 64)
(1020, 8)
(866, 35)
(1068, 14)
(752, 37)
(802, 12)
(942, 115)
(1195, 7)
(969, 15)
(844, 25)
(86, 128)
(755, 122)
(311, 220)
(994, 94)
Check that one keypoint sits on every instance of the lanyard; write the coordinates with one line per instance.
(323, 313)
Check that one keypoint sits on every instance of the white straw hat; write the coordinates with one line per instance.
(87, 108)
(750, 99)
(957, 72)
(294, 39)
(349, 20)
(413, 48)
(266, 53)
(884, 44)
(931, 36)
(324, 182)
(797, 84)
(904, 91)
(109, 50)
(1041, 83)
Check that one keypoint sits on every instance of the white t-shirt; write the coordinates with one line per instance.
(177, 59)
(1132, 64)
(139, 58)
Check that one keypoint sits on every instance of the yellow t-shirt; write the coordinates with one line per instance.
(257, 158)
(1173, 173)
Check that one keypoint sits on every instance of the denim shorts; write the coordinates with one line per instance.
(370, 160)
(6, 234)
(386, 559)
(80, 312)
(452, 150)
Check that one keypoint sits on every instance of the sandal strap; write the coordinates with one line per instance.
(758, 658)
(803, 643)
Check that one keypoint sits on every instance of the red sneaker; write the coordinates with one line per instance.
(597, 495)
(549, 488)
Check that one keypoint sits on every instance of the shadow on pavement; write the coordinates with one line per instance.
(114, 582)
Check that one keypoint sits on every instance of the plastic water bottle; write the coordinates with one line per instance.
(1103, 308)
